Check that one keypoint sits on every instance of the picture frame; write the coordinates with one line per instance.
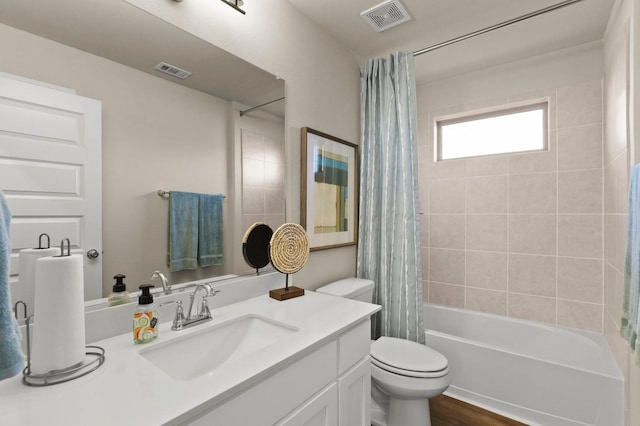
(329, 190)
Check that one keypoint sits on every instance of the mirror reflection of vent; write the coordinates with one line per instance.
(386, 15)
(172, 70)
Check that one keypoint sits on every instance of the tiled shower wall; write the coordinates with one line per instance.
(520, 234)
(616, 177)
(262, 181)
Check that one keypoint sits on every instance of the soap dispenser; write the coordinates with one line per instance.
(120, 295)
(145, 319)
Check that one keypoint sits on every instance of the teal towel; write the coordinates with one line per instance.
(631, 302)
(210, 251)
(183, 231)
(11, 357)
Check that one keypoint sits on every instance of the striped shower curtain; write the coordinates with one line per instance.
(389, 228)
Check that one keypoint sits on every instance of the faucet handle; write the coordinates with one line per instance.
(178, 319)
(205, 312)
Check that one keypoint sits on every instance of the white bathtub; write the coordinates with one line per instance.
(536, 373)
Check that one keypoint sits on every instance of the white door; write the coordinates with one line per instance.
(50, 171)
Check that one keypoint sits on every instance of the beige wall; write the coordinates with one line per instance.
(323, 88)
(151, 130)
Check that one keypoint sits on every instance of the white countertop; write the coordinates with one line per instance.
(129, 390)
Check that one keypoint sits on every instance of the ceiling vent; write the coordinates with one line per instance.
(386, 15)
(171, 70)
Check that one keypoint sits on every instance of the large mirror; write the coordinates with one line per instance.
(158, 132)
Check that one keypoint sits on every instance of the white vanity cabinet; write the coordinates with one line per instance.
(354, 389)
(320, 410)
(313, 371)
(354, 379)
(330, 386)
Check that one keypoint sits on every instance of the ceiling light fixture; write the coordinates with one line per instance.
(236, 4)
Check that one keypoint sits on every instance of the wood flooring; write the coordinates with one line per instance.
(447, 411)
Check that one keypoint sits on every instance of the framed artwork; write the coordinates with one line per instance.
(329, 190)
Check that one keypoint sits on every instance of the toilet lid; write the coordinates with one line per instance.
(406, 357)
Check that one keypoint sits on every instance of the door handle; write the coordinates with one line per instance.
(93, 254)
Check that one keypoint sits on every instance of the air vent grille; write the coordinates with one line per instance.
(172, 70)
(386, 15)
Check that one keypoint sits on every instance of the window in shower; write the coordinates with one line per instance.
(509, 130)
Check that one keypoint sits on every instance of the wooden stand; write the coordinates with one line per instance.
(286, 292)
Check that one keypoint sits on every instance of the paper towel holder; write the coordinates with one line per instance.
(44, 234)
(62, 247)
(54, 377)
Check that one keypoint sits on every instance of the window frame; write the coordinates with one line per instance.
(539, 104)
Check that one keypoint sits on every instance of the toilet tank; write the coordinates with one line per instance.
(351, 288)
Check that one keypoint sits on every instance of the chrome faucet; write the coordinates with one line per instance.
(180, 322)
(166, 287)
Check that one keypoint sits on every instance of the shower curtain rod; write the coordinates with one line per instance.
(242, 113)
(496, 26)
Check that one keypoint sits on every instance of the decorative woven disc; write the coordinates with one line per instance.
(289, 248)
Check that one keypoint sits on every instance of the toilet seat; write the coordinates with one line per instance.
(407, 358)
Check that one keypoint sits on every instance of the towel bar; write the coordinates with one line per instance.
(164, 194)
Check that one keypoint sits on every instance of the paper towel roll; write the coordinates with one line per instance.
(58, 337)
(27, 274)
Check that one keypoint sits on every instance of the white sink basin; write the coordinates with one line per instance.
(205, 350)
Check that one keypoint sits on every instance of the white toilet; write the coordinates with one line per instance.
(404, 374)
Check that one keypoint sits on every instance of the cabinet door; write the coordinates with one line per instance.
(321, 410)
(277, 396)
(354, 392)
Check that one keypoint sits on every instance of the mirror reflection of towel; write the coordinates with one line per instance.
(11, 358)
(210, 251)
(183, 231)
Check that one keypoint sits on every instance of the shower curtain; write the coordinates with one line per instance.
(389, 228)
(630, 324)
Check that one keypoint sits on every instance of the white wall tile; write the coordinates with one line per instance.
(580, 147)
(447, 231)
(533, 308)
(585, 316)
(580, 191)
(580, 235)
(532, 234)
(533, 193)
(446, 266)
(580, 279)
(490, 301)
(532, 274)
(486, 270)
(487, 232)
(580, 104)
(447, 195)
(486, 194)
